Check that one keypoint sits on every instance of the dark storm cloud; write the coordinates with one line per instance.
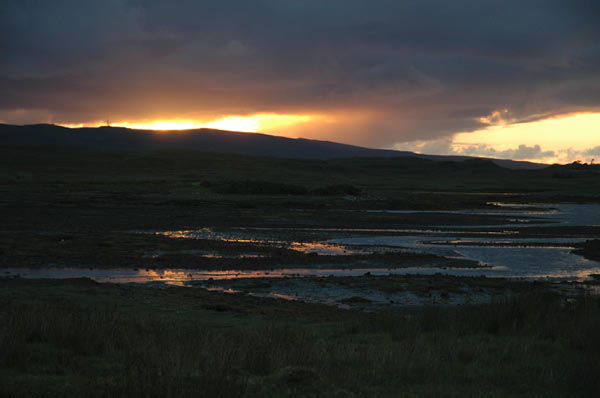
(398, 70)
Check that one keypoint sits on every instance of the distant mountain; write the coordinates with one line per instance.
(209, 140)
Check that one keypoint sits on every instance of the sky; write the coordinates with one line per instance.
(507, 79)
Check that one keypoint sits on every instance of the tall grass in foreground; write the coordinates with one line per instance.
(534, 345)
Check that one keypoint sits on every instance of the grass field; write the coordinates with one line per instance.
(184, 172)
(77, 338)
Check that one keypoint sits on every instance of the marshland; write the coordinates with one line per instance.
(139, 274)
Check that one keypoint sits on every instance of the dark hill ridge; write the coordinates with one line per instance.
(209, 140)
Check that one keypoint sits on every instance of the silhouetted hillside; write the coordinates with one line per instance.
(119, 138)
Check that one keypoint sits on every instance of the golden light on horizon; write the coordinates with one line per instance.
(563, 134)
(560, 139)
(247, 124)
(577, 131)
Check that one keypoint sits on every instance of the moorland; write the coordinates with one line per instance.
(92, 208)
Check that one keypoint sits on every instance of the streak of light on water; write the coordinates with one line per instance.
(303, 247)
(181, 276)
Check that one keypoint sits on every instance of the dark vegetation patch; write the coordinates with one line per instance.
(62, 338)
(120, 249)
(84, 211)
(336, 190)
(253, 187)
(589, 249)
(383, 177)
(355, 300)
(71, 190)
(426, 284)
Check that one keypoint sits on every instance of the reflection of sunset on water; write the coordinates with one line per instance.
(320, 248)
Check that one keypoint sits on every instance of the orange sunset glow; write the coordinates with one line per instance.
(563, 138)
(447, 84)
(247, 124)
(556, 139)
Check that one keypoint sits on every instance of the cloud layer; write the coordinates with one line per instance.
(382, 72)
(534, 153)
